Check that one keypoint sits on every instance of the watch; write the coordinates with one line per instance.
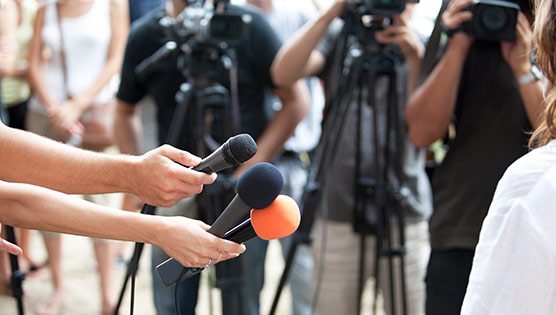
(530, 77)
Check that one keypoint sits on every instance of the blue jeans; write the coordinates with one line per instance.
(295, 177)
(164, 296)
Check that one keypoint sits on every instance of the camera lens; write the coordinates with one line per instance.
(494, 18)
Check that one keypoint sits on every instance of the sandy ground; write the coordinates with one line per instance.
(82, 289)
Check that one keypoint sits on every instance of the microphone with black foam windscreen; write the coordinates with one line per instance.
(235, 151)
(257, 188)
(280, 219)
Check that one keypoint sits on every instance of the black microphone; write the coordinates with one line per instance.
(235, 151)
(280, 219)
(257, 188)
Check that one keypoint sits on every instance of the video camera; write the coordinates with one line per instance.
(205, 22)
(206, 34)
(378, 7)
(493, 20)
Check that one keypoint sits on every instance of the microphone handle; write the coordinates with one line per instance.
(241, 233)
(170, 270)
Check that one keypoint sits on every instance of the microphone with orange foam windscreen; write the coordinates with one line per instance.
(280, 219)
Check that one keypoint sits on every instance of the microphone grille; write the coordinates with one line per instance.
(242, 147)
(260, 185)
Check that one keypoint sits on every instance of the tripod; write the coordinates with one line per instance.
(360, 65)
(204, 104)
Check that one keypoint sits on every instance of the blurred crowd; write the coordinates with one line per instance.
(405, 146)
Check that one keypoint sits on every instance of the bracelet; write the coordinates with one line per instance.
(532, 76)
(449, 31)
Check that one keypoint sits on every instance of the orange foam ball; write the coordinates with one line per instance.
(278, 220)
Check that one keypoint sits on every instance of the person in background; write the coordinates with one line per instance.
(76, 52)
(489, 93)
(311, 51)
(255, 53)
(512, 271)
(293, 163)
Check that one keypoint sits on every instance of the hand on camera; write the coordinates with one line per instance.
(402, 35)
(517, 52)
(158, 180)
(188, 241)
(453, 17)
(335, 10)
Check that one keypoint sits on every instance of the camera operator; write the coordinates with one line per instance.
(28, 161)
(489, 93)
(310, 52)
(255, 52)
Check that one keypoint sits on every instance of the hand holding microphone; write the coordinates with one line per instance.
(163, 181)
(257, 188)
(280, 219)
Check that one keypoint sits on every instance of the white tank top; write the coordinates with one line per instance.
(86, 42)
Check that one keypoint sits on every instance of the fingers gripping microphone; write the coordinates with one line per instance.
(257, 188)
(235, 151)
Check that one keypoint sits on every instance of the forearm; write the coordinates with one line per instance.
(57, 166)
(430, 108)
(294, 59)
(67, 214)
(532, 96)
(128, 128)
(8, 40)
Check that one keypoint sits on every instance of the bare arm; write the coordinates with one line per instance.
(517, 54)
(184, 239)
(154, 176)
(36, 64)
(298, 58)
(430, 108)
(8, 39)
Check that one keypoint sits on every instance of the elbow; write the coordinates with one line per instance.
(421, 137)
(279, 75)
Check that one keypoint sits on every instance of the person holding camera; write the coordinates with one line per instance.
(255, 52)
(311, 51)
(512, 271)
(487, 89)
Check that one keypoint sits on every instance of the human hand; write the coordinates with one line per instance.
(158, 180)
(517, 52)
(402, 35)
(9, 247)
(335, 9)
(65, 118)
(452, 18)
(188, 241)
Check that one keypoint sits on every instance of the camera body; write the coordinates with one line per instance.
(493, 20)
(382, 7)
(203, 23)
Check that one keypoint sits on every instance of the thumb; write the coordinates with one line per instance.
(183, 157)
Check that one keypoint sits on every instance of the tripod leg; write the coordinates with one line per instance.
(360, 285)
(17, 275)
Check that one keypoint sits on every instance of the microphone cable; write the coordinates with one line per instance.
(176, 290)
